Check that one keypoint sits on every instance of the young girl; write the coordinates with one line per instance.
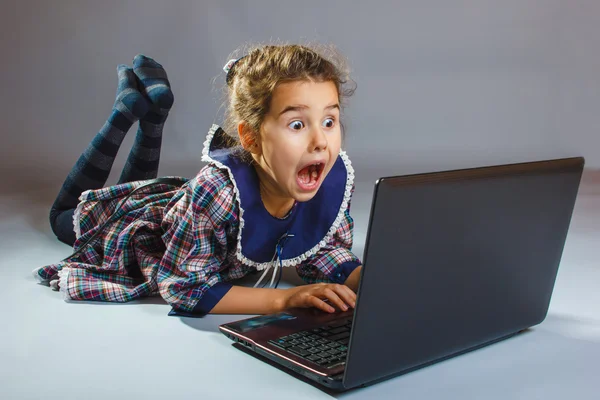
(275, 193)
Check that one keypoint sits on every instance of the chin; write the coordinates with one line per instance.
(304, 197)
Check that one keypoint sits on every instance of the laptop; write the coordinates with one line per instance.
(454, 261)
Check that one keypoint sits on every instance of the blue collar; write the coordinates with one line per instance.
(311, 223)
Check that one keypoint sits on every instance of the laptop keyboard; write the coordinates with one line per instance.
(326, 345)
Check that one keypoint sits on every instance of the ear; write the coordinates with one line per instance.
(248, 137)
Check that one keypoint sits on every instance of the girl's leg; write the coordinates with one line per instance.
(142, 162)
(93, 167)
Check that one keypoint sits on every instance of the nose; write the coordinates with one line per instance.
(318, 140)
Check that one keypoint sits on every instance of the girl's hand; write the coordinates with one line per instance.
(340, 296)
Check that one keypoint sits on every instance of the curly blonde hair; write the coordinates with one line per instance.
(252, 80)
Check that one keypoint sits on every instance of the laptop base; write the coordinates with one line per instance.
(329, 385)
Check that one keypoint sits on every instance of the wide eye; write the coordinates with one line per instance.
(329, 123)
(296, 125)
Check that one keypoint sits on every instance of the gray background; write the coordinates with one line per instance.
(444, 84)
(441, 84)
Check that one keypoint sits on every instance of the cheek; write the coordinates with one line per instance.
(335, 142)
(282, 160)
(338, 142)
(285, 152)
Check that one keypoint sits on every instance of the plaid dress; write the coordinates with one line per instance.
(190, 239)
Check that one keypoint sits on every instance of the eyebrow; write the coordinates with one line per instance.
(300, 107)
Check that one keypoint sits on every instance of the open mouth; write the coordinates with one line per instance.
(310, 175)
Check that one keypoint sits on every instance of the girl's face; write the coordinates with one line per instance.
(299, 140)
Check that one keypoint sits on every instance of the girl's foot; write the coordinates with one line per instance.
(154, 82)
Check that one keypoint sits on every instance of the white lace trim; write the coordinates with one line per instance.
(77, 214)
(296, 260)
(63, 277)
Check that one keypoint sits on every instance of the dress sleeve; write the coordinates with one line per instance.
(334, 262)
(195, 237)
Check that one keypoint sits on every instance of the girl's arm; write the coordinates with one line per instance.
(354, 279)
(245, 300)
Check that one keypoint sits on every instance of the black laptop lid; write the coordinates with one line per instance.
(458, 259)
